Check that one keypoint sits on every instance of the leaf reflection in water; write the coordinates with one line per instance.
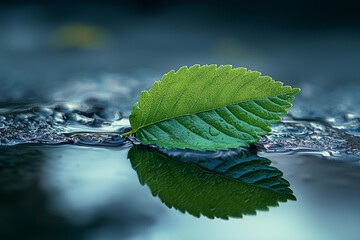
(221, 187)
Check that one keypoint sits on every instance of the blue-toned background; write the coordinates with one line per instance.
(70, 68)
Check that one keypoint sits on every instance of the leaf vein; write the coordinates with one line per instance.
(243, 120)
(190, 129)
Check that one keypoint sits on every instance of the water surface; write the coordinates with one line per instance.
(66, 173)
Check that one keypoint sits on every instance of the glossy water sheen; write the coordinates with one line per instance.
(93, 193)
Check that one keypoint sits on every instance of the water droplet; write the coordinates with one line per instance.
(65, 108)
(44, 111)
(213, 131)
(58, 118)
(21, 117)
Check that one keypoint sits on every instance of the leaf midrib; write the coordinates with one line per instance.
(135, 130)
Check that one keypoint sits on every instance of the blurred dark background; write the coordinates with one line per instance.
(44, 45)
(53, 51)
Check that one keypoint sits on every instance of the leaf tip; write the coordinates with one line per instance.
(295, 91)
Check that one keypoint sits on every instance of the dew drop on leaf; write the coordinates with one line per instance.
(213, 131)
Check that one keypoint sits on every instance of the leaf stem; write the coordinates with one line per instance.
(128, 133)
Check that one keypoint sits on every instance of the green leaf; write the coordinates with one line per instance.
(209, 108)
(214, 187)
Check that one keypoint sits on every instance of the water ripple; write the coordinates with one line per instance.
(94, 124)
(62, 124)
